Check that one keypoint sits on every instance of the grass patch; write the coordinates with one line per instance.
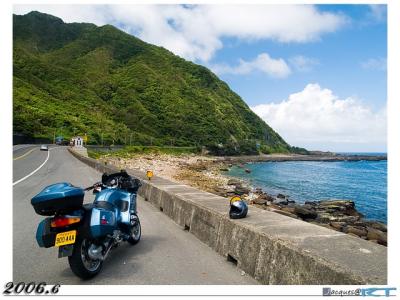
(130, 151)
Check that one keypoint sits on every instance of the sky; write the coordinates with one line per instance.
(315, 73)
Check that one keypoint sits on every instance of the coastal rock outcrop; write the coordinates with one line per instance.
(339, 215)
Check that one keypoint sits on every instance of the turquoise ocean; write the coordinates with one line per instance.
(364, 182)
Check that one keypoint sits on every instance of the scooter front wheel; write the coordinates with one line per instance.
(80, 262)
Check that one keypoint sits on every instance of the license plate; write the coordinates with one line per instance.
(65, 238)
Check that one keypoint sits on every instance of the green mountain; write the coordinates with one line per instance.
(78, 78)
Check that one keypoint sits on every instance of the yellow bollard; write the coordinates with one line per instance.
(149, 174)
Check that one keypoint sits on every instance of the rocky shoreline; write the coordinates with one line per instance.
(205, 173)
(339, 215)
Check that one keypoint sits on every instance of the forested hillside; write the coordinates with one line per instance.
(79, 78)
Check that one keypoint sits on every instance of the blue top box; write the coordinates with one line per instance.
(58, 198)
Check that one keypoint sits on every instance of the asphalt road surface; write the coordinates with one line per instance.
(166, 253)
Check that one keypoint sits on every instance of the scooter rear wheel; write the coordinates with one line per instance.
(80, 262)
(136, 233)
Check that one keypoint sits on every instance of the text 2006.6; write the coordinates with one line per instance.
(30, 288)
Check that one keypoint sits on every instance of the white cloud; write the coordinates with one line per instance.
(378, 12)
(302, 63)
(315, 118)
(196, 32)
(375, 64)
(277, 68)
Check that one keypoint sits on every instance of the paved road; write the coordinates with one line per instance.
(166, 254)
(26, 160)
(20, 151)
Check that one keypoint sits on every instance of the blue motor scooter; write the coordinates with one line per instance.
(86, 233)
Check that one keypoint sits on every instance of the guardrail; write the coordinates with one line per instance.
(273, 248)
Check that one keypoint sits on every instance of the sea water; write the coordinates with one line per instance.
(364, 182)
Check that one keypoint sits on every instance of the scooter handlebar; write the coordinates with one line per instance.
(93, 186)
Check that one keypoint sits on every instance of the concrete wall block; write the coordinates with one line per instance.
(147, 192)
(180, 214)
(156, 197)
(178, 210)
(167, 203)
(205, 225)
(150, 196)
(281, 263)
(143, 191)
(186, 213)
(238, 244)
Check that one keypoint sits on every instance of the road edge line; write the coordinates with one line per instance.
(34, 171)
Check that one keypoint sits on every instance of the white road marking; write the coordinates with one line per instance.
(33, 172)
(30, 151)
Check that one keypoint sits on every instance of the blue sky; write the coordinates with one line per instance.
(339, 61)
(316, 74)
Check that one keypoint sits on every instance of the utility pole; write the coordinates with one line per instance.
(102, 144)
(151, 141)
(54, 136)
(130, 139)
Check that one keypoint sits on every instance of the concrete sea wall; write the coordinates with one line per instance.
(273, 248)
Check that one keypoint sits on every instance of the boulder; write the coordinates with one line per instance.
(247, 170)
(346, 207)
(241, 190)
(323, 217)
(344, 203)
(281, 201)
(338, 225)
(258, 190)
(289, 209)
(274, 206)
(343, 218)
(330, 207)
(305, 213)
(220, 191)
(281, 196)
(266, 197)
(306, 206)
(361, 223)
(261, 206)
(357, 230)
(260, 201)
(375, 234)
(326, 226)
(377, 225)
(234, 182)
